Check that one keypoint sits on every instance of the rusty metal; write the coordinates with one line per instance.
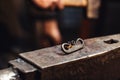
(98, 60)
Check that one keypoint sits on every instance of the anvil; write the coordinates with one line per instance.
(98, 60)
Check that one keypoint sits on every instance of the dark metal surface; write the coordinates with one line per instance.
(94, 62)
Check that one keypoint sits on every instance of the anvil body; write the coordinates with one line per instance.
(98, 60)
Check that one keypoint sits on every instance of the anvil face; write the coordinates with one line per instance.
(76, 66)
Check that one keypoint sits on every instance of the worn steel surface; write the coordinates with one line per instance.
(25, 70)
(22, 66)
(94, 61)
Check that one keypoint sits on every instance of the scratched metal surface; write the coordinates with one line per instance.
(48, 57)
(22, 66)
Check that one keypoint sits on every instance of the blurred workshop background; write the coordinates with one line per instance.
(26, 27)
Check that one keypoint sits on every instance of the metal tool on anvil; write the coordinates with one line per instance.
(98, 60)
(72, 46)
